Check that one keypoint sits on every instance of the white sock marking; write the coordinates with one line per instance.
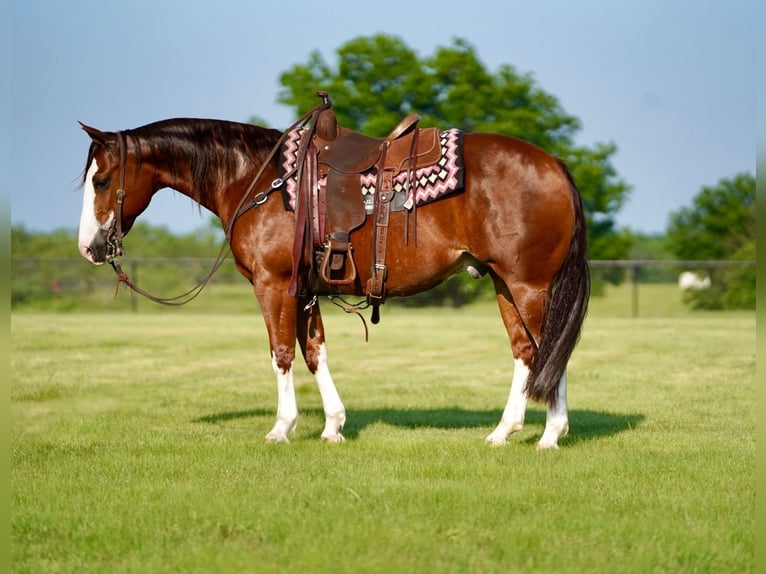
(515, 409)
(334, 411)
(556, 418)
(287, 407)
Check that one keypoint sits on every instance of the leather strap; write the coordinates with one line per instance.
(411, 199)
(318, 211)
(376, 285)
(303, 204)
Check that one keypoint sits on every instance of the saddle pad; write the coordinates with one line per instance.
(430, 183)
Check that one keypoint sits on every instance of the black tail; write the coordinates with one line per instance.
(565, 310)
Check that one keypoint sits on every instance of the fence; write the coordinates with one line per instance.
(71, 283)
(665, 271)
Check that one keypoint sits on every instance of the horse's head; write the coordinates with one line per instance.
(114, 194)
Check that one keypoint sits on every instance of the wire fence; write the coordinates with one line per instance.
(67, 284)
(649, 271)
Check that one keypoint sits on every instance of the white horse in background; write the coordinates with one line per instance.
(691, 281)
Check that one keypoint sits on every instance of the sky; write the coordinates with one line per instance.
(671, 82)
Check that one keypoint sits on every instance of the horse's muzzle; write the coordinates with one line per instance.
(98, 250)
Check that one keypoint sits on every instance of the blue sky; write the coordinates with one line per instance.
(671, 82)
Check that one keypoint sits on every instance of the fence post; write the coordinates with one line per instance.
(133, 296)
(634, 280)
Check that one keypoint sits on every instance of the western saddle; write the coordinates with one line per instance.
(330, 204)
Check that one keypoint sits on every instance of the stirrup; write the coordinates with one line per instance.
(338, 251)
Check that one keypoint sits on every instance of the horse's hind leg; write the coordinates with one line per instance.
(527, 302)
(310, 331)
(515, 409)
(556, 418)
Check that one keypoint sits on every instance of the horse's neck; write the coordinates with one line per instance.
(222, 188)
(173, 178)
(178, 176)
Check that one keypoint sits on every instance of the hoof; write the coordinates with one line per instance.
(333, 425)
(495, 442)
(333, 438)
(277, 438)
(551, 436)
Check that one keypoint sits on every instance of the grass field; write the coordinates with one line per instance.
(137, 446)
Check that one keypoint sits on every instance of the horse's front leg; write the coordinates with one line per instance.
(310, 331)
(279, 312)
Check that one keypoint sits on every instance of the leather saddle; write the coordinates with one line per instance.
(336, 205)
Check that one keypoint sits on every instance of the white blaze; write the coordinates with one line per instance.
(89, 225)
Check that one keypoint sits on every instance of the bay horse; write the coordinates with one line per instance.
(519, 218)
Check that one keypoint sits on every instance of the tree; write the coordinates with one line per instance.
(56, 243)
(720, 224)
(379, 79)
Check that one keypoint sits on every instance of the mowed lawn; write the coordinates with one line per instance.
(137, 446)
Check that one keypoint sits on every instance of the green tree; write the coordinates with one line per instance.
(720, 224)
(379, 79)
(56, 243)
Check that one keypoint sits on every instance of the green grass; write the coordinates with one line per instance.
(137, 446)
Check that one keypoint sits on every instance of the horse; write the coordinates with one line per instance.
(518, 218)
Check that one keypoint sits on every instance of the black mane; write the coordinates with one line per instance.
(213, 149)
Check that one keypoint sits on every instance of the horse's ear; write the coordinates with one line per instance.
(96, 135)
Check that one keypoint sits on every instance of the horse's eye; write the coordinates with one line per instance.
(101, 183)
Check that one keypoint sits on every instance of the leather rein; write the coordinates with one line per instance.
(115, 235)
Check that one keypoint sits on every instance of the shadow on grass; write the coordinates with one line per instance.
(584, 424)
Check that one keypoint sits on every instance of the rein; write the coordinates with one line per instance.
(115, 236)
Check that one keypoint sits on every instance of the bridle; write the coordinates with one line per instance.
(115, 234)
